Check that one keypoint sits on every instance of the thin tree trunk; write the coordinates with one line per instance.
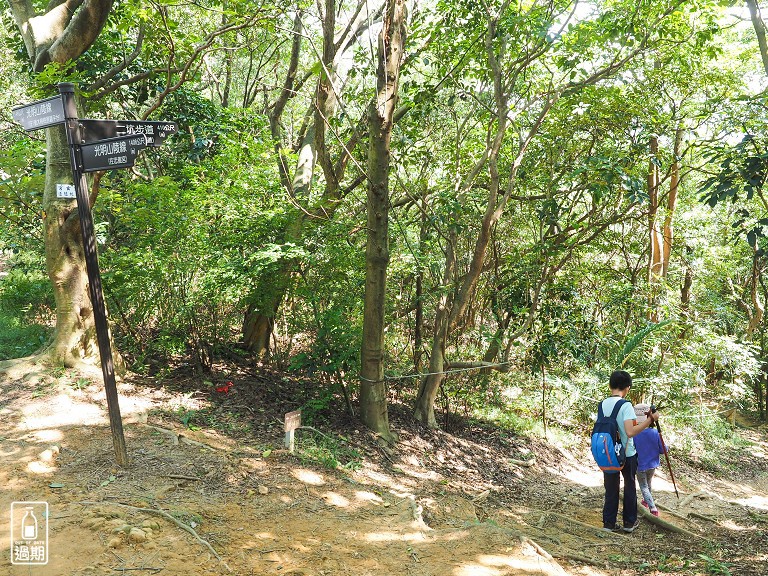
(424, 407)
(674, 185)
(759, 25)
(758, 309)
(373, 392)
(654, 236)
(259, 319)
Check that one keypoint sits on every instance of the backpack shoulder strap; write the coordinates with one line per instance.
(617, 407)
(600, 410)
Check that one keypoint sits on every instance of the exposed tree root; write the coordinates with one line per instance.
(568, 555)
(21, 368)
(673, 513)
(687, 500)
(525, 463)
(571, 520)
(536, 546)
(664, 524)
(168, 517)
(39, 365)
(712, 519)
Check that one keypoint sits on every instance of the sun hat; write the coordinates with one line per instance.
(640, 412)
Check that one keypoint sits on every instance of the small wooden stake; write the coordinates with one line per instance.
(292, 422)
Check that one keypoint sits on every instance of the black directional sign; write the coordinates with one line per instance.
(95, 145)
(156, 132)
(112, 153)
(40, 114)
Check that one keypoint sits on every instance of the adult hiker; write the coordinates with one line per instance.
(620, 382)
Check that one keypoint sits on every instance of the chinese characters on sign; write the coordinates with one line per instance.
(29, 533)
(40, 114)
(65, 191)
(112, 153)
(155, 131)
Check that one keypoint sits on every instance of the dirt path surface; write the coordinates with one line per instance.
(473, 503)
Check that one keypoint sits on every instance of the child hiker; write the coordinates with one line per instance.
(649, 448)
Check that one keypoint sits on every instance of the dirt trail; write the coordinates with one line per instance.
(442, 505)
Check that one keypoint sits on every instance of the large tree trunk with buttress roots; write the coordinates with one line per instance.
(74, 338)
(57, 35)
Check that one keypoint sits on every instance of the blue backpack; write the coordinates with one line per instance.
(607, 449)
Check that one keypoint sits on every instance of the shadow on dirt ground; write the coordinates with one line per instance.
(210, 490)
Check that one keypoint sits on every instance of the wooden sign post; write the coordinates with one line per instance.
(118, 151)
(292, 422)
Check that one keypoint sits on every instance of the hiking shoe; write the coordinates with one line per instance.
(655, 513)
(644, 503)
(614, 528)
(631, 527)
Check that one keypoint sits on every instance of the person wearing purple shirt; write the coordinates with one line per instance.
(649, 447)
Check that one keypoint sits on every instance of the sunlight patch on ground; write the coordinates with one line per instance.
(333, 499)
(582, 477)
(129, 405)
(59, 410)
(746, 495)
(50, 435)
(258, 540)
(428, 475)
(394, 537)
(496, 565)
(731, 525)
(38, 467)
(760, 502)
(379, 477)
(308, 476)
(385, 480)
(367, 496)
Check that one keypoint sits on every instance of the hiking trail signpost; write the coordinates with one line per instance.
(94, 145)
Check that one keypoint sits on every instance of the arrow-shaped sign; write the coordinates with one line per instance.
(40, 114)
(112, 153)
(155, 131)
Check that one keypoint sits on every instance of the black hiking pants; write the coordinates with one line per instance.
(611, 506)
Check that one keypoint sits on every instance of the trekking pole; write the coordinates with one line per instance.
(666, 455)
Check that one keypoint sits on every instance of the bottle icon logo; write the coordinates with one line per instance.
(29, 533)
(29, 525)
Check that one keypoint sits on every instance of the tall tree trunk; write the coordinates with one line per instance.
(449, 312)
(759, 25)
(373, 392)
(312, 151)
(259, 320)
(758, 308)
(654, 236)
(674, 185)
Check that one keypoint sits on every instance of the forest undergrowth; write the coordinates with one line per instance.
(211, 482)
